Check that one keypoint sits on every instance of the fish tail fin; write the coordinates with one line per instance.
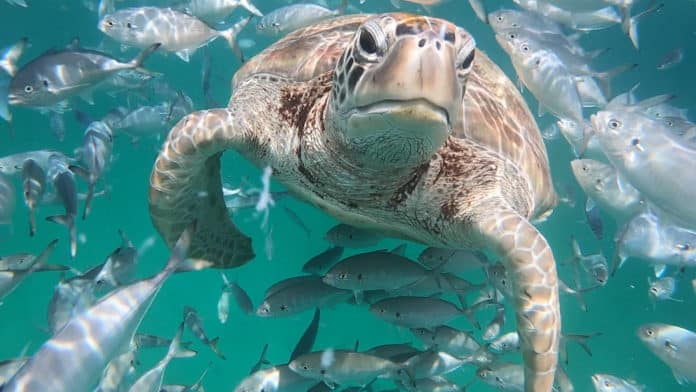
(32, 221)
(41, 259)
(213, 344)
(69, 222)
(629, 25)
(247, 5)
(9, 58)
(178, 262)
(177, 349)
(230, 35)
(604, 78)
(581, 340)
(138, 61)
(85, 175)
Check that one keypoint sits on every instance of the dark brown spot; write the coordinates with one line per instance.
(405, 190)
(355, 75)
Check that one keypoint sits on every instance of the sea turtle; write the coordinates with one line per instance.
(392, 122)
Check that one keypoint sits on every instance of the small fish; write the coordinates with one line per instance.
(96, 153)
(119, 267)
(595, 266)
(453, 261)
(176, 31)
(118, 372)
(675, 346)
(296, 295)
(451, 340)
(275, 379)
(346, 368)
(11, 165)
(420, 312)
(479, 9)
(319, 264)
(8, 200)
(195, 324)
(506, 344)
(241, 297)
(663, 289)
(10, 279)
(306, 342)
(493, 328)
(351, 237)
(378, 270)
(151, 381)
(433, 363)
(217, 11)
(671, 59)
(503, 376)
(146, 341)
(56, 76)
(609, 383)
(295, 16)
(594, 219)
(195, 387)
(63, 181)
(97, 335)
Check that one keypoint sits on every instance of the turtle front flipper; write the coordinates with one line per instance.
(185, 185)
(532, 268)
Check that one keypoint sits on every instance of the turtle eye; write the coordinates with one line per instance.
(367, 42)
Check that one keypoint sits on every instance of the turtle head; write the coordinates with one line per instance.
(398, 88)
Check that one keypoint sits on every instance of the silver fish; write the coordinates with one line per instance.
(9, 279)
(456, 342)
(241, 297)
(119, 267)
(96, 154)
(70, 298)
(275, 379)
(292, 17)
(675, 346)
(595, 266)
(319, 264)
(663, 289)
(351, 237)
(195, 387)
(216, 11)
(648, 154)
(378, 270)
(671, 59)
(607, 189)
(609, 383)
(63, 181)
(298, 295)
(118, 372)
(151, 381)
(454, 261)
(8, 200)
(345, 368)
(493, 328)
(505, 344)
(432, 363)
(194, 322)
(11, 165)
(97, 335)
(143, 121)
(58, 75)
(176, 31)
(394, 352)
(503, 376)
(419, 312)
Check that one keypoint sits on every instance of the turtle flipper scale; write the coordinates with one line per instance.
(532, 268)
(185, 184)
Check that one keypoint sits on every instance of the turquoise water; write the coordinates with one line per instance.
(615, 310)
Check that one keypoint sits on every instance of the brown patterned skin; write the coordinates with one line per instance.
(427, 141)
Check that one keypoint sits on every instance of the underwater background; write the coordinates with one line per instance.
(615, 310)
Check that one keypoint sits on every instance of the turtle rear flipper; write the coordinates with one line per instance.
(185, 185)
(532, 268)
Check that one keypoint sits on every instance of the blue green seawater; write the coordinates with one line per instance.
(615, 310)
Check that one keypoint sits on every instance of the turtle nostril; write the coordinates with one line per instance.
(437, 45)
(421, 43)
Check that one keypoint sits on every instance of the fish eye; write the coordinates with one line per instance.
(110, 23)
(614, 124)
(607, 384)
(28, 89)
(367, 42)
(653, 289)
(649, 332)
(305, 367)
(512, 35)
(500, 18)
(342, 276)
(524, 47)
